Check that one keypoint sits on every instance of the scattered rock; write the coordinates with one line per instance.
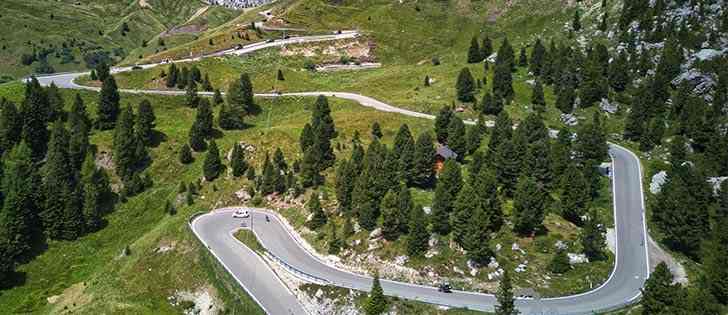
(608, 107)
(561, 245)
(657, 181)
(427, 210)
(493, 264)
(577, 258)
(401, 260)
(498, 247)
(243, 195)
(433, 241)
(715, 182)
(521, 268)
(612, 240)
(377, 233)
(569, 119)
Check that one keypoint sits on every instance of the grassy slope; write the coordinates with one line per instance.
(30, 21)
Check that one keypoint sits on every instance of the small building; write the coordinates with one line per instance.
(443, 153)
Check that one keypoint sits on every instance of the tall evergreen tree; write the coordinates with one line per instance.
(108, 108)
(172, 75)
(595, 85)
(345, 178)
(145, 122)
(237, 161)
(502, 132)
(593, 240)
(537, 98)
(565, 98)
(191, 97)
(537, 58)
(55, 102)
(619, 72)
(523, 57)
(34, 112)
(18, 221)
(504, 66)
(507, 167)
(442, 122)
(311, 167)
(418, 238)
(240, 96)
(465, 86)
(404, 149)
(95, 185)
(504, 296)
(58, 183)
(715, 253)
(376, 303)
(592, 141)
(126, 157)
(486, 49)
(538, 162)
(377, 130)
(475, 55)
(456, 139)
(392, 216)
(448, 186)
(319, 217)
(529, 206)
(11, 125)
(423, 174)
(659, 295)
(576, 21)
(475, 135)
(574, 194)
(335, 243)
(212, 166)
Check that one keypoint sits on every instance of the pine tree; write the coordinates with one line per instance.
(475, 135)
(592, 141)
(576, 21)
(538, 162)
(404, 148)
(474, 53)
(502, 132)
(345, 178)
(183, 80)
(715, 253)
(94, 185)
(423, 173)
(145, 122)
(392, 217)
(126, 157)
(319, 218)
(279, 160)
(523, 58)
(108, 108)
(376, 303)
(217, 98)
(537, 58)
(335, 243)
(18, 221)
(456, 139)
(34, 113)
(58, 182)
(529, 206)
(465, 86)
(172, 76)
(406, 206)
(593, 240)
(448, 186)
(418, 238)
(206, 85)
(565, 98)
(595, 85)
(574, 194)
(507, 167)
(240, 96)
(619, 74)
(237, 161)
(560, 262)
(191, 97)
(377, 130)
(185, 154)
(659, 295)
(11, 124)
(212, 166)
(311, 167)
(279, 76)
(55, 103)
(504, 66)
(102, 71)
(486, 49)
(504, 296)
(442, 122)
(537, 98)
(197, 134)
(307, 137)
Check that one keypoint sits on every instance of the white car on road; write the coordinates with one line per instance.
(241, 213)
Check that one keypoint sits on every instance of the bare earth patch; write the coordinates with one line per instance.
(362, 50)
(72, 298)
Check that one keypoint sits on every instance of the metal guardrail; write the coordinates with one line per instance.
(296, 272)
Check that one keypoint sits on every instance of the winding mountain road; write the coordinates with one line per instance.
(214, 230)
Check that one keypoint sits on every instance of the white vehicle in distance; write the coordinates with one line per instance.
(241, 213)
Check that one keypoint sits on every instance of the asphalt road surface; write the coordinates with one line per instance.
(215, 231)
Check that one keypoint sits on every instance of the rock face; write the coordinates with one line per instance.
(608, 107)
(657, 181)
(577, 258)
(239, 4)
(569, 119)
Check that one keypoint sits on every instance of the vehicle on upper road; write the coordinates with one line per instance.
(241, 213)
(444, 288)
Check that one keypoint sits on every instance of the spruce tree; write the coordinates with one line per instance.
(475, 135)
(377, 130)
(474, 53)
(313, 206)
(592, 141)
(145, 122)
(55, 103)
(311, 167)
(619, 71)
(456, 139)
(108, 108)
(18, 221)
(448, 186)
(418, 238)
(307, 137)
(185, 154)
(560, 262)
(94, 185)
(376, 303)
(34, 113)
(335, 243)
(279, 160)
(406, 206)
(102, 71)
(565, 98)
(659, 295)
(442, 122)
(523, 58)
(507, 167)
(212, 166)
(538, 162)
(217, 98)
(237, 161)
(594, 86)
(172, 76)
(11, 124)
(715, 254)
(465, 86)
(504, 296)
(183, 78)
(345, 178)
(537, 58)
(58, 182)
(477, 240)
(391, 216)
(593, 239)
(423, 174)
(491, 105)
(529, 206)
(486, 49)
(574, 194)
(502, 132)
(537, 98)
(504, 66)
(279, 76)
(191, 97)
(404, 148)
(240, 96)
(126, 157)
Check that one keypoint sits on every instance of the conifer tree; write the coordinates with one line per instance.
(504, 66)
(465, 86)
(404, 149)
(18, 221)
(58, 182)
(376, 303)
(307, 137)
(659, 295)
(108, 108)
(538, 162)
(502, 132)
(593, 240)
(377, 130)
(475, 135)
(486, 49)
(237, 161)
(279, 160)
(477, 240)
(191, 97)
(619, 71)
(392, 216)
(212, 166)
(537, 98)
(504, 296)
(34, 113)
(206, 85)
(102, 71)
(406, 206)
(335, 243)
(442, 122)
(560, 262)
(565, 98)
(448, 186)
(715, 252)
(145, 122)
(279, 76)
(172, 76)
(576, 21)
(310, 167)
(574, 194)
(126, 157)
(423, 173)
(491, 105)
(185, 154)
(418, 238)
(507, 166)
(11, 124)
(217, 98)
(345, 178)
(529, 206)
(474, 53)
(523, 57)
(183, 78)
(594, 86)
(240, 96)
(456, 139)
(592, 141)
(537, 58)
(319, 217)
(55, 102)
